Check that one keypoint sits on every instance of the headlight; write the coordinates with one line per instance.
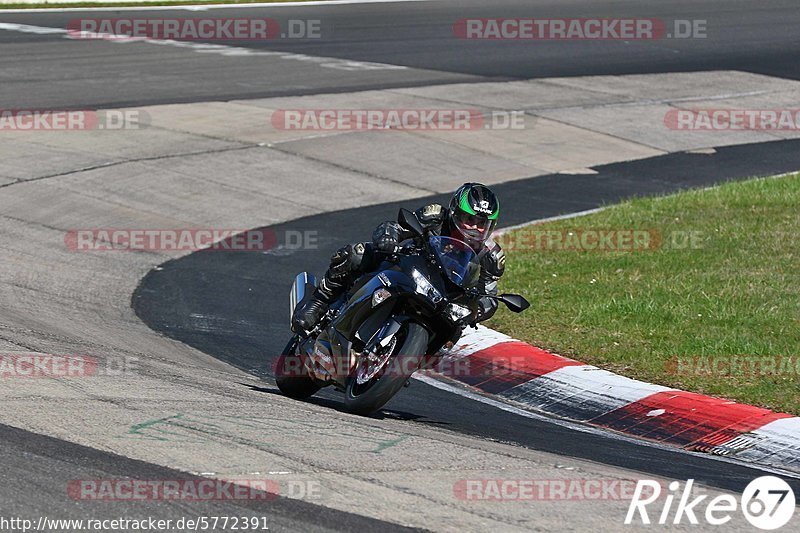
(425, 287)
(457, 312)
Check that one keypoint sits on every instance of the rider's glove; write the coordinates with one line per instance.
(430, 215)
(387, 237)
(486, 309)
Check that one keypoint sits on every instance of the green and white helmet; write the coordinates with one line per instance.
(474, 209)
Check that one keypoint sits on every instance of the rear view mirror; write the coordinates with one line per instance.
(409, 221)
(514, 302)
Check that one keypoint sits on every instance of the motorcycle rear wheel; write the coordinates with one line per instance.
(291, 375)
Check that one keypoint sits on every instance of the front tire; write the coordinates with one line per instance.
(291, 375)
(364, 399)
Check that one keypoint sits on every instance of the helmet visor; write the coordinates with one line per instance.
(474, 227)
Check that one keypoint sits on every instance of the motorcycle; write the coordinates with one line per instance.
(390, 324)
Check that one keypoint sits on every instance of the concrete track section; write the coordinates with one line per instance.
(155, 399)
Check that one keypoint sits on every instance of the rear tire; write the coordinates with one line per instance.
(369, 397)
(291, 375)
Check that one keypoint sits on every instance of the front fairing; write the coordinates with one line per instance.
(359, 304)
(360, 319)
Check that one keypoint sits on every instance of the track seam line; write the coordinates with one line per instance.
(350, 169)
(124, 162)
(661, 151)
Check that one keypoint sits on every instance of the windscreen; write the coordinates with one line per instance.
(459, 261)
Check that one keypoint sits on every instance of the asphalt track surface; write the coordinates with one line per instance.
(44, 70)
(232, 285)
(47, 71)
(36, 469)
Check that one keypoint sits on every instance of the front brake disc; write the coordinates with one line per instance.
(370, 364)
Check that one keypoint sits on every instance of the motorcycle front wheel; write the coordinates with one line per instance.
(364, 397)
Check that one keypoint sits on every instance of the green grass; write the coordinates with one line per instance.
(139, 4)
(735, 293)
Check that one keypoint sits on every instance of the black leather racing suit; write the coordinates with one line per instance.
(352, 261)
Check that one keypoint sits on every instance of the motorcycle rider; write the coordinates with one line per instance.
(470, 217)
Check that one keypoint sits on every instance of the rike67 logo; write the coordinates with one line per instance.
(767, 503)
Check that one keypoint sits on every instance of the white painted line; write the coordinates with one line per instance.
(781, 444)
(578, 172)
(504, 406)
(577, 214)
(577, 426)
(25, 28)
(702, 151)
(204, 7)
(581, 392)
(221, 49)
(785, 427)
(574, 395)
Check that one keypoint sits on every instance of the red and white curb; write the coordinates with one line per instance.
(515, 371)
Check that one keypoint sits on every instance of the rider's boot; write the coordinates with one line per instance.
(307, 314)
(333, 284)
